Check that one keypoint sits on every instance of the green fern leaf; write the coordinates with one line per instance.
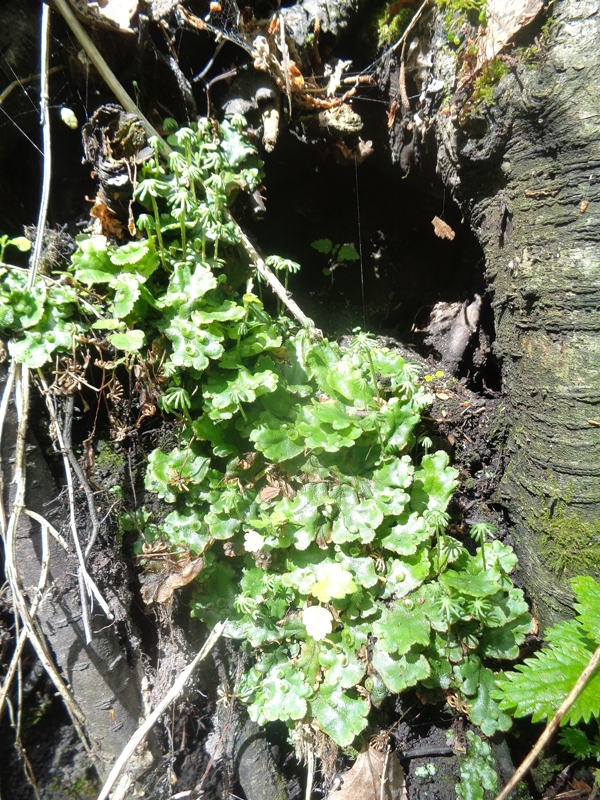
(587, 592)
(576, 742)
(540, 684)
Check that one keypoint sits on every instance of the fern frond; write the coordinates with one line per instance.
(539, 685)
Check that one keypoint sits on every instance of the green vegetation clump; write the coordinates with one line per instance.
(486, 81)
(319, 528)
(477, 770)
(391, 29)
(537, 687)
(461, 13)
(294, 474)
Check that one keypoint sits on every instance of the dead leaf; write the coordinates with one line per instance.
(442, 229)
(580, 785)
(296, 77)
(583, 206)
(363, 780)
(442, 396)
(232, 550)
(392, 114)
(355, 154)
(165, 574)
(247, 460)
(537, 193)
(364, 149)
(88, 456)
(505, 18)
(268, 493)
(108, 224)
(113, 12)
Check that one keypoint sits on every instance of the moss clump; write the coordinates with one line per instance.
(483, 87)
(568, 542)
(544, 772)
(390, 33)
(460, 13)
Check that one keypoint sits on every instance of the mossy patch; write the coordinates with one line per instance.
(489, 77)
(544, 771)
(390, 29)
(107, 458)
(569, 544)
(461, 14)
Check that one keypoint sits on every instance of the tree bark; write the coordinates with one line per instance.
(531, 190)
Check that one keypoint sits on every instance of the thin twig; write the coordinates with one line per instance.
(402, 79)
(6, 396)
(44, 522)
(285, 58)
(35, 635)
(86, 583)
(201, 75)
(310, 771)
(277, 287)
(384, 770)
(550, 729)
(36, 256)
(91, 502)
(105, 71)
(85, 611)
(403, 38)
(22, 81)
(141, 733)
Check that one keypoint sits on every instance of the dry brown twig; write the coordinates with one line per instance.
(402, 79)
(36, 255)
(22, 81)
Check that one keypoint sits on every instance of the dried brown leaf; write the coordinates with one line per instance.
(116, 12)
(392, 114)
(363, 781)
(163, 577)
(296, 77)
(442, 229)
(268, 493)
(108, 223)
(505, 18)
(364, 149)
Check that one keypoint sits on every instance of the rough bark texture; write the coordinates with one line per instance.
(526, 187)
(333, 19)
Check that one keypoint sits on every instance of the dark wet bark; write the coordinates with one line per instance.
(333, 16)
(531, 189)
